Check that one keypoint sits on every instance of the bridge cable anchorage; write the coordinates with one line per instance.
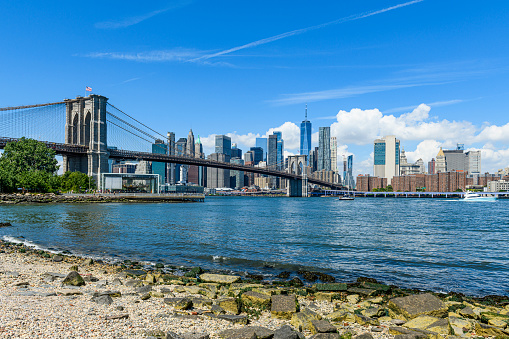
(164, 137)
(132, 126)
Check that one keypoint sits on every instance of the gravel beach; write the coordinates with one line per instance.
(44, 295)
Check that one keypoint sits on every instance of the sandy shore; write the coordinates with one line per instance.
(35, 304)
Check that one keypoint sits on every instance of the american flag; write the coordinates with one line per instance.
(89, 89)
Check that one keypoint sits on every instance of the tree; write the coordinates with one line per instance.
(76, 181)
(29, 164)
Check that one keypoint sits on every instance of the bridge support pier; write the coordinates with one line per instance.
(297, 187)
(86, 125)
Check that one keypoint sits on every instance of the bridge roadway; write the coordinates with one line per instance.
(70, 150)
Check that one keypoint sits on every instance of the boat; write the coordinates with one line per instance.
(346, 197)
(472, 196)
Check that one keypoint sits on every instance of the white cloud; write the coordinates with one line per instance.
(494, 133)
(291, 134)
(493, 159)
(426, 150)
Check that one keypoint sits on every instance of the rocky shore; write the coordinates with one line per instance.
(29, 198)
(44, 295)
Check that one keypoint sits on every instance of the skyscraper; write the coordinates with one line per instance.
(272, 151)
(280, 150)
(324, 155)
(305, 135)
(334, 154)
(190, 144)
(224, 145)
(440, 162)
(159, 147)
(262, 142)
(170, 168)
(218, 177)
(386, 162)
(474, 161)
(236, 152)
(257, 154)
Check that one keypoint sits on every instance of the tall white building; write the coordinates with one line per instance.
(386, 157)
(334, 154)
(474, 161)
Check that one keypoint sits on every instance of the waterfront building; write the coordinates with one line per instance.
(313, 160)
(406, 168)
(334, 154)
(497, 186)
(236, 152)
(329, 176)
(170, 168)
(324, 154)
(218, 177)
(367, 183)
(431, 166)
(473, 161)
(257, 154)
(143, 167)
(237, 177)
(263, 143)
(123, 168)
(279, 150)
(224, 145)
(272, 151)
(348, 179)
(159, 147)
(386, 157)
(305, 135)
(455, 160)
(440, 162)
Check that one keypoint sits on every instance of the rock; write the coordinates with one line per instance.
(69, 292)
(489, 331)
(326, 336)
(116, 282)
(441, 326)
(459, 326)
(326, 278)
(322, 326)
(119, 316)
(201, 302)
(102, 300)
(322, 296)
(157, 294)
(295, 281)
(173, 335)
(363, 320)
(256, 299)
(363, 336)
(309, 276)
(143, 289)
(420, 304)
(283, 275)
(135, 272)
(159, 334)
(195, 336)
(179, 303)
(145, 296)
(88, 261)
(421, 322)
(286, 332)
(414, 334)
(302, 320)
(248, 332)
(90, 278)
(341, 315)
(133, 283)
(373, 312)
(150, 278)
(230, 305)
(361, 291)
(332, 287)
(216, 309)
(219, 278)
(5, 224)
(235, 319)
(353, 298)
(57, 258)
(498, 322)
(283, 306)
(73, 279)
(375, 286)
(74, 268)
(398, 322)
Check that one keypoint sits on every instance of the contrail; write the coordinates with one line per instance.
(304, 30)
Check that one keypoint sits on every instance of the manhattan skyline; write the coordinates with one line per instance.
(433, 74)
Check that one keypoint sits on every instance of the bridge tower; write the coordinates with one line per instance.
(86, 125)
(297, 164)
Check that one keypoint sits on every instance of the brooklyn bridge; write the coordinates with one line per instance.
(88, 131)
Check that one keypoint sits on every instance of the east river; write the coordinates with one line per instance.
(433, 244)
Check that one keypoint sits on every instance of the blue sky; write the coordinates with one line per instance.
(434, 73)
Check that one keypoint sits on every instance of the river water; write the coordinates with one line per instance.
(433, 244)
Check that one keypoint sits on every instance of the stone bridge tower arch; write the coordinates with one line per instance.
(297, 165)
(85, 124)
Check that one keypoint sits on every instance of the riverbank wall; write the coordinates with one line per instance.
(99, 198)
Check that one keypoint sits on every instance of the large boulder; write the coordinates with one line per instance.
(255, 299)
(283, 306)
(219, 278)
(413, 306)
(248, 332)
(73, 279)
(230, 305)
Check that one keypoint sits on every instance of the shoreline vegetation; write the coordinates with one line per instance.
(60, 295)
(38, 198)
